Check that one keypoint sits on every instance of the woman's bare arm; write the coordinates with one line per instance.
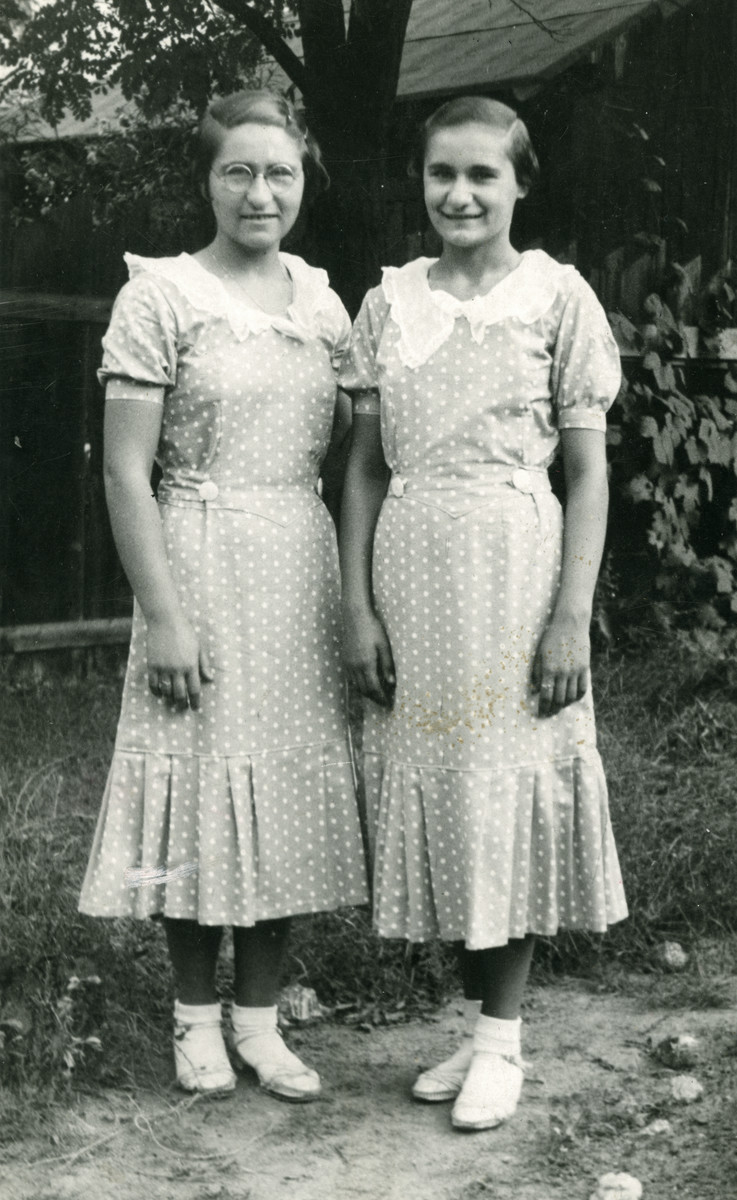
(366, 646)
(175, 663)
(561, 669)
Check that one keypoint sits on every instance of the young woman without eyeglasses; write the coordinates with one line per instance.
(467, 596)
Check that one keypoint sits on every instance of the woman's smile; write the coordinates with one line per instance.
(467, 166)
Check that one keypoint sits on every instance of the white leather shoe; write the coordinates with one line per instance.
(279, 1071)
(200, 1058)
(490, 1092)
(444, 1081)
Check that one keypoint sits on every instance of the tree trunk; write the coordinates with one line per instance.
(351, 85)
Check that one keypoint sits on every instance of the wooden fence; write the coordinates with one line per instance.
(58, 560)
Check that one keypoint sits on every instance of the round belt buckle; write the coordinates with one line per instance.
(523, 480)
(208, 490)
(396, 487)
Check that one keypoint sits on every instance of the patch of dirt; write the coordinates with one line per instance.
(592, 1090)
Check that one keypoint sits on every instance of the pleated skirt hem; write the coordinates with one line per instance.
(483, 856)
(227, 840)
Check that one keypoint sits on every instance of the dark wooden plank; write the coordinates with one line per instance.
(60, 635)
(16, 303)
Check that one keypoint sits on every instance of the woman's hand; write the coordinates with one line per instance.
(176, 664)
(368, 657)
(560, 672)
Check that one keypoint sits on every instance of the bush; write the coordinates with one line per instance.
(132, 168)
(673, 526)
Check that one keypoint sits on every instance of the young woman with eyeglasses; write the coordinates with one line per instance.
(230, 798)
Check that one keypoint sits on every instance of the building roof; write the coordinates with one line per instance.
(486, 44)
(21, 121)
(450, 47)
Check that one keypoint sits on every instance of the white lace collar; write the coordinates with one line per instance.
(206, 293)
(426, 316)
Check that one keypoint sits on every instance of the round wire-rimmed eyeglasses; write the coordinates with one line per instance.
(239, 178)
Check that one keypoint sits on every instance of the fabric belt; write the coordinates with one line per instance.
(531, 480)
(210, 494)
(459, 497)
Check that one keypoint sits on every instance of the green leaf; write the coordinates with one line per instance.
(687, 492)
(693, 453)
(705, 477)
(663, 447)
(665, 377)
(649, 427)
(640, 488)
(723, 574)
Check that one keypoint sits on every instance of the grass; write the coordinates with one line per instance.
(667, 718)
(667, 721)
(668, 728)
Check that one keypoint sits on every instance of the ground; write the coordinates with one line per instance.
(593, 1087)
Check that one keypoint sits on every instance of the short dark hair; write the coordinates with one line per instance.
(480, 110)
(258, 107)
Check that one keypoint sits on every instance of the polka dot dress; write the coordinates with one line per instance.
(486, 823)
(244, 810)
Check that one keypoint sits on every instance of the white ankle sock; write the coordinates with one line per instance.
(260, 1045)
(200, 1057)
(493, 1035)
(249, 1021)
(196, 1014)
(471, 1014)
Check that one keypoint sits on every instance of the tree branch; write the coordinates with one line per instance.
(269, 38)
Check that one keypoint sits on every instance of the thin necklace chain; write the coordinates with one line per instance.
(284, 273)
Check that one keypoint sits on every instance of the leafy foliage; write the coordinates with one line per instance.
(718, 301)
(674, 474)
(160, 52)
(131, 166)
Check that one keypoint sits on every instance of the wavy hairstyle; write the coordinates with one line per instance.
(480, 110)
(262, 107)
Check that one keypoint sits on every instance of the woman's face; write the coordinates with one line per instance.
(470, 185)
(254, 216)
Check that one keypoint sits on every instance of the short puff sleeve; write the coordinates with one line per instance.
(140, 347)
(586, 373)
(338, 329)
(359, 372)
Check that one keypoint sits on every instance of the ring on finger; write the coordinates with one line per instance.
(165, 686)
